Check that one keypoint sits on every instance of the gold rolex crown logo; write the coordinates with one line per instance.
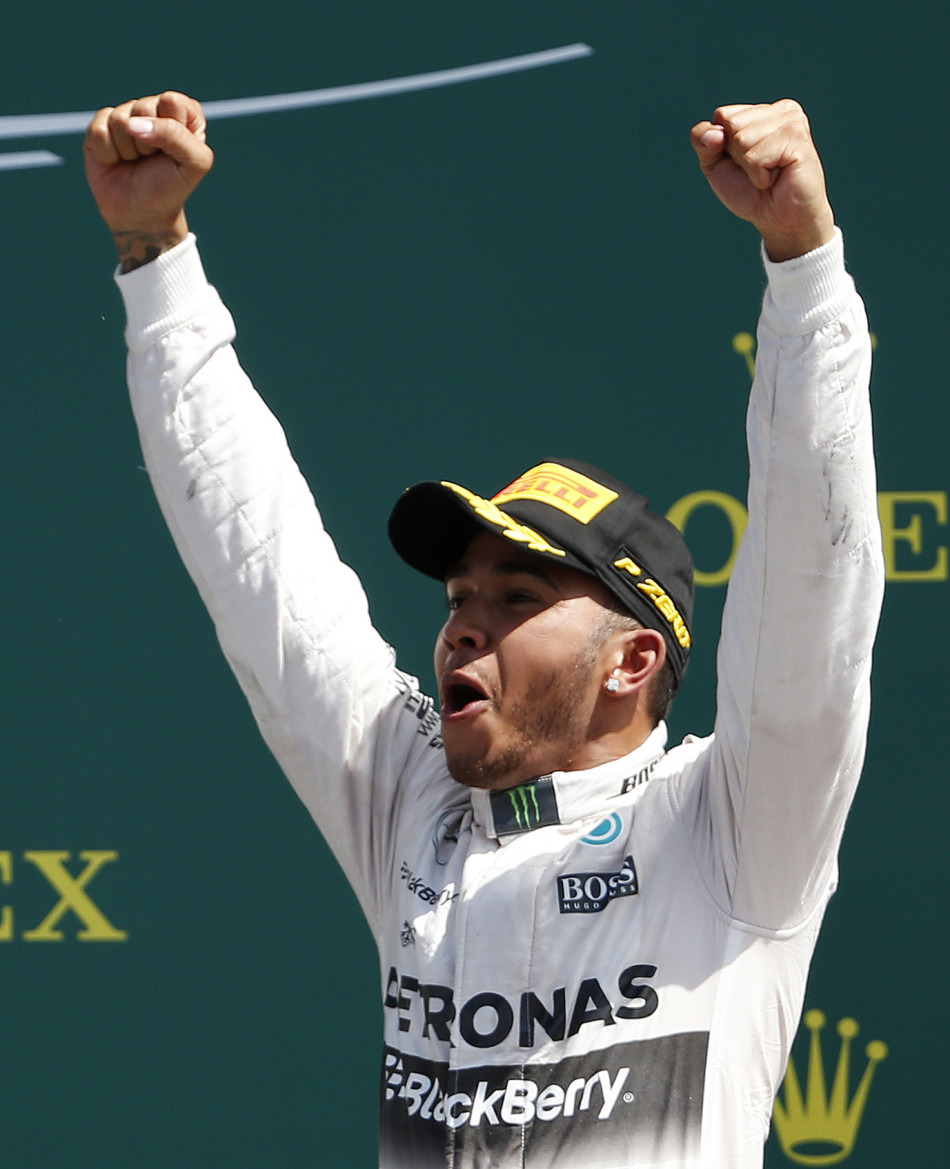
(744, 345)
(819, 1129)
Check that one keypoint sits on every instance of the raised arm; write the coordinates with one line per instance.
(803, 602)
(291, 618)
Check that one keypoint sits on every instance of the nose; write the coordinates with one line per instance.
(466, 628)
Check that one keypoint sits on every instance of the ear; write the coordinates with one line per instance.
(635, 660)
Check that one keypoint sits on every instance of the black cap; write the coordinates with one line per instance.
(572, 514)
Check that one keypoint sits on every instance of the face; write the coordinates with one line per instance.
(518, 664)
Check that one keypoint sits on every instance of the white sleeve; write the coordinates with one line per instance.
(802, 606)
(292, 619)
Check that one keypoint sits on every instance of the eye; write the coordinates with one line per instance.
(517, 597)
(454, 603)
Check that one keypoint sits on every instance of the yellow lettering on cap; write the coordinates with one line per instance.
(521, 533)
(666, 607)
(560, 487)
(627, 565)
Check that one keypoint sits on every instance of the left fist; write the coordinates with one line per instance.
(762, 164)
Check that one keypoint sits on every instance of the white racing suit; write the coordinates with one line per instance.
(601, 969)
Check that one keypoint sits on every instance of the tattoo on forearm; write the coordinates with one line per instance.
(137, 248)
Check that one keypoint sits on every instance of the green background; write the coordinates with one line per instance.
(456, 283)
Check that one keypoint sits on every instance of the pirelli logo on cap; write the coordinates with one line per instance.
(567, 490)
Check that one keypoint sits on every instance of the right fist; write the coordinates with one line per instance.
(143, 160)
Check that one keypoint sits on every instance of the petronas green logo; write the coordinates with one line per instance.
(524, 805)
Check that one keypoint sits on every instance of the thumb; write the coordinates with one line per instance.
(183, 145)
(709, 142)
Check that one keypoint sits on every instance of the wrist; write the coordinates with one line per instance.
(137, 246)
(781, 246)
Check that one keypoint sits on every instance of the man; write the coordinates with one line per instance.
(593, 949)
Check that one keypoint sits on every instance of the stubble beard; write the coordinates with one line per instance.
(551, 713)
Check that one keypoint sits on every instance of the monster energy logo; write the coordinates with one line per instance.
(520, 809)
(524, 801)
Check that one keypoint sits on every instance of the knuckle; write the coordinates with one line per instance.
(794, 114)
(745, 139)
(98, 128)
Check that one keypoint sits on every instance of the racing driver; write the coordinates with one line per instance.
(593, 947)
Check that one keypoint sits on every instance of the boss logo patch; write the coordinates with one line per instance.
(591, 892)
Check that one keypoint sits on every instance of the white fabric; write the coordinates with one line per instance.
(619, 987)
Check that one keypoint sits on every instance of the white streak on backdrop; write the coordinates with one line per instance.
(25, 159)
(46, 125)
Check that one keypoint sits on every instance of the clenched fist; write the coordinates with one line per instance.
(143, 160)
(762, 163)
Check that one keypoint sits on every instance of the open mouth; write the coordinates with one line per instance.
(462, 696)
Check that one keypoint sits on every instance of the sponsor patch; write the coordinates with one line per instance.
(488, 1018)
(569, 491)
(634, 1103)
(424, 710)
(512, 1102)
(425, 892)
(626, 566)
(520, 809)
(448, 828)
(639, 777)
(592, 892)
(606, 832)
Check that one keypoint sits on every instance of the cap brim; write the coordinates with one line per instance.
(430, 528)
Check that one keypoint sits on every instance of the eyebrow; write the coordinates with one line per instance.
(507, 568)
